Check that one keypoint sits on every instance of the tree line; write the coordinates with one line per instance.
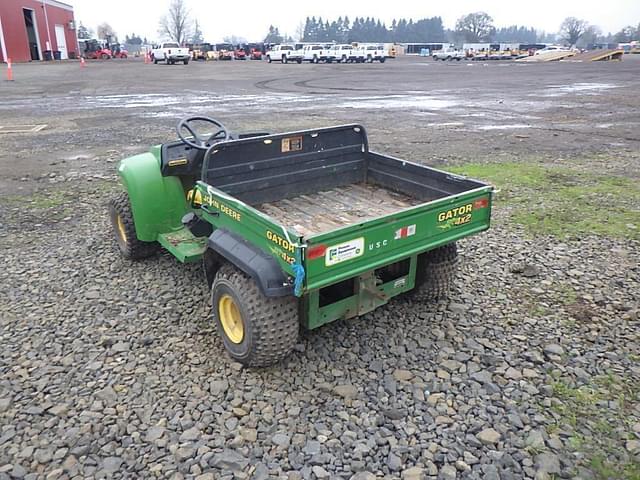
(371, 29)
(178, 25)
(469, 28)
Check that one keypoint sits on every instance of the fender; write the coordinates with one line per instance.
(158, 203)
(259, 265)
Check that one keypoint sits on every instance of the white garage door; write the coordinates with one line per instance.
(62, 42)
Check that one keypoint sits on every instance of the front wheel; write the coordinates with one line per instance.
(284, 59)
(436, 271)
(382, 59)
(269, 59)
(256, 330)
(124, 229)
(315, 59)
(299, 61)
(186, 61)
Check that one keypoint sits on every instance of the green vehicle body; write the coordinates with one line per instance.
(159, 203)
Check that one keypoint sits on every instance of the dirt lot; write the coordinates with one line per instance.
(531, 370)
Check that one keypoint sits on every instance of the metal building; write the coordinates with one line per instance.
(36, 30)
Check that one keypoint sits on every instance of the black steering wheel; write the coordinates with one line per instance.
(199, 141)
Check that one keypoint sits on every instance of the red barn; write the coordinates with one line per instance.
(36, 30)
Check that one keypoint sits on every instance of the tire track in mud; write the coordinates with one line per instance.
(265, 85)
(309, 89)
(305, 84)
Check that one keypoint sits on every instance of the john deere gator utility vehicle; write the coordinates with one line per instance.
(294, 229)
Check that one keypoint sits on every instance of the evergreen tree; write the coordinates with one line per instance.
(305, 32)
(84, 32)
(273, 36)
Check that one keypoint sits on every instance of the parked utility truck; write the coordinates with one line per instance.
(284, 54)
(371, 52)
(341, 53)
(448, 54)
(170, 53)
(316, 53)
(294, 229)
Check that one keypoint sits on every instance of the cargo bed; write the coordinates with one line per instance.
(315, 182)
(351, 204)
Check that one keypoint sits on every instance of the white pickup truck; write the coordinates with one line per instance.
(341, 53)
(170, 53)
(316, 53)
(448, 54)
(370, 52)
(284, 54)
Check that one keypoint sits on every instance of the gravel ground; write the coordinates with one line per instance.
(113, 369)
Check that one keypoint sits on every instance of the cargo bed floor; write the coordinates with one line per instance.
(328, 210)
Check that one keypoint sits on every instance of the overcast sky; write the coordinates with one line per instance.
(251, 19)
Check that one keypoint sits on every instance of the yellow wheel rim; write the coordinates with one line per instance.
(121, 231)
(230, 318)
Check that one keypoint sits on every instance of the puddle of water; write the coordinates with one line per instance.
(580, 88)
(400, 101)
(445, 124)
(503, 127)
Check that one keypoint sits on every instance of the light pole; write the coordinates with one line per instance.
(46, 21)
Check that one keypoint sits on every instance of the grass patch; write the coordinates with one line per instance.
(45, 199)
(561, 201)
(599, 430)
(604, 469)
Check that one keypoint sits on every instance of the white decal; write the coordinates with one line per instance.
(344, 251)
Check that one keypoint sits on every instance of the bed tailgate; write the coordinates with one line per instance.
(341, 254)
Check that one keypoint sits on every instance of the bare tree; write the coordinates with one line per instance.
(196, 36)
(572, 29)
(475, 27)
(176, 24)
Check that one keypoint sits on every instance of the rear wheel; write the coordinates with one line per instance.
(435, 272)
(269, 59)
(256, 330)
(186, 61)
(124, 229)
(315, 59)
(382, 59)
